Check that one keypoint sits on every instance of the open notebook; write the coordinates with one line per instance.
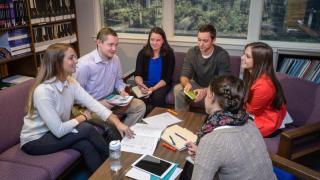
(178, 136)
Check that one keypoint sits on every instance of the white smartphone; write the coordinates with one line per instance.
(153, 165)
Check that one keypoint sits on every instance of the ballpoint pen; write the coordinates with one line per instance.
(180, 136)
(172, 140)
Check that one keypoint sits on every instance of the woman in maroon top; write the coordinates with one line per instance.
(264, 98)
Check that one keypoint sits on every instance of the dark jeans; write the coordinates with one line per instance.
(158, 97)
(87, 141)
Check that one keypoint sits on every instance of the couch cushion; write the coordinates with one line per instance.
(55, 163)
(235, 62)
(303, 99)
(11, 170)
(13, 104)
(179, 57)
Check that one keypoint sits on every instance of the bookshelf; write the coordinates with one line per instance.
(28, 27)
(301, 65)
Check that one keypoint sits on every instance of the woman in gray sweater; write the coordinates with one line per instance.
(48, 127)
(229, 144)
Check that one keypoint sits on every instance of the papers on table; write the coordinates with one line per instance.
(178, 136)
(163, 120)
(139, 144)
(147, 130)
(141, 175)
(145, 140)
(118, 100)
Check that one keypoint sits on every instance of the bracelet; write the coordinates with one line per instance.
(85, 116)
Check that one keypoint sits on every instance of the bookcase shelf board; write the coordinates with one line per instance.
(28, 27)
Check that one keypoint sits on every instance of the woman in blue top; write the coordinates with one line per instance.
(154, 68)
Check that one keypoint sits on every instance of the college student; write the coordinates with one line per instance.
(201, 64)
(229, 144)
(154, 68)
(264, 98)
(99, 73)
(47, 126)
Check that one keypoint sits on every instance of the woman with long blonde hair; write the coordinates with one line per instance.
(48, 127)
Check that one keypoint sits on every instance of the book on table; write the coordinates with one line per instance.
(145, 140)
(178, 136)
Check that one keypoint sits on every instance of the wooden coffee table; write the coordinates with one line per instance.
(191, 121)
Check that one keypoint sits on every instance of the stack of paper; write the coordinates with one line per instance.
(178, 136)
(163, 120)
(145, 140)
(118, 100)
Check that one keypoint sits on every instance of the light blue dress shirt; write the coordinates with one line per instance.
(99, 77)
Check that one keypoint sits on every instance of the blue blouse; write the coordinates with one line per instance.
(155, 71)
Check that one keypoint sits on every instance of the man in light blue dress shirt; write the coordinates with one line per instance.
(99, 73)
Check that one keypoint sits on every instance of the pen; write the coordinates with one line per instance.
(172, 140)
(180, 136)
(172, 112)
(169, 147)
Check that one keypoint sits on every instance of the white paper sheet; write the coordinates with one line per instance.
(164, 120)
(141, 175)
(139, 144)
(147, 130)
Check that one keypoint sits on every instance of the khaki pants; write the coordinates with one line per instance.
(133, 113)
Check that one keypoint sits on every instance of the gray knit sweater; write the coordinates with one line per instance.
(233, 153)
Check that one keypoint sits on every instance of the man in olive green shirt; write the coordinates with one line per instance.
(201, 64)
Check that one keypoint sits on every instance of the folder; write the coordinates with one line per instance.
(179, 136)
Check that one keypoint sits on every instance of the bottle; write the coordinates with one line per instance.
(114, 155)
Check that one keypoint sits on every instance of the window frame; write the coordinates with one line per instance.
(255, 19)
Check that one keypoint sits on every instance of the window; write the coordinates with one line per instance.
(230, 17)
(291, 20)
(131, 16)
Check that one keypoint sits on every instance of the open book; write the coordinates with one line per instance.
(178, 136)
(145, 141)
(136, 90)
(191, 94)
(118, 100)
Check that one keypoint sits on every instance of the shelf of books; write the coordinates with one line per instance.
(27, 28)
(305, 67)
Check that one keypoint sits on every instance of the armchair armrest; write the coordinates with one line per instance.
(288, 137)
(293, 167)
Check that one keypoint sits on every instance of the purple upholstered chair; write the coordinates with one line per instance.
(14, 163)
(303, 104)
